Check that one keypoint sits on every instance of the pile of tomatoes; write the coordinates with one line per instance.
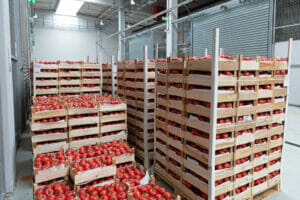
(96, 162)
(48, 160)
(57, 103)
(150, 191)
(113, 191)
(116, 148)
(130, 175)
(57, 191)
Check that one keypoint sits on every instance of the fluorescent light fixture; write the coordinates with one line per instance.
(132, 2)
(69, 7)
(128, 25)
(101, 22)
(35, 16)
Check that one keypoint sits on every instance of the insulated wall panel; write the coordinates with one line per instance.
(244, 29)
(136, 46)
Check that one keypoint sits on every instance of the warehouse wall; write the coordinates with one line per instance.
(107, 47)
(7, 122)
(281, 50)
(58, 44)
(58, 37)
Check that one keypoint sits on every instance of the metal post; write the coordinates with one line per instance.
(145, 129)
(121, 27)
(213, 114)
(101, 72)
(171, 49)
(155, 92)
(286, 83)
(34, 81)
(113, 88)
(116, 81)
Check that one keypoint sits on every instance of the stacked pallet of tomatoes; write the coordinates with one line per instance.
(67, 172)
(108, 75)
(49, 125)
(66, 78)
(120, 78)
(113, 120)
(140, 110)
(46, 79)
(91, 78)
(70, 78)
(250, 119)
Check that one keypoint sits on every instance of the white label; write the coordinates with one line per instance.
(286, 82)
(37, 68)
(247, 118)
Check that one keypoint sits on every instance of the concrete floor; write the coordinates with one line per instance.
(290, 167)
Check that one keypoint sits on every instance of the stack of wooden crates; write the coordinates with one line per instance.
(131, 86)
(108, 77)
(62, 123)
(46, 80)
(67, 78)
(70, 127)
(250, 120)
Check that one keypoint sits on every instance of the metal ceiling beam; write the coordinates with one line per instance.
(151, 17)
(104, 2)
(121, 26)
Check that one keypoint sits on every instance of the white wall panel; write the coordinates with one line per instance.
(58, 44)
(108, 47)
(281, 50)
(294, 86)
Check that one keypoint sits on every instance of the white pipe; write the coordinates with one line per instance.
(213, 114)
(145, 129)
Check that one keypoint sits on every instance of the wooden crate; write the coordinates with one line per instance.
(54, 146)
(78, 132)
(92, 174)
(64, 180)
(83, 142)
(48, 137)
(38, 116)
(51, 173)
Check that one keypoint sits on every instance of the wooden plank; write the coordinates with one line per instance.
(93, 174)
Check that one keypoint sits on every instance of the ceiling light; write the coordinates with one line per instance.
(132, 2)
(128, 25)
(35, 16)
(69, 7)
(101, 22)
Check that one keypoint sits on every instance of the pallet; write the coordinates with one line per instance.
(267, 193)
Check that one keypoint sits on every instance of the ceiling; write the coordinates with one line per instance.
(107, 10)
